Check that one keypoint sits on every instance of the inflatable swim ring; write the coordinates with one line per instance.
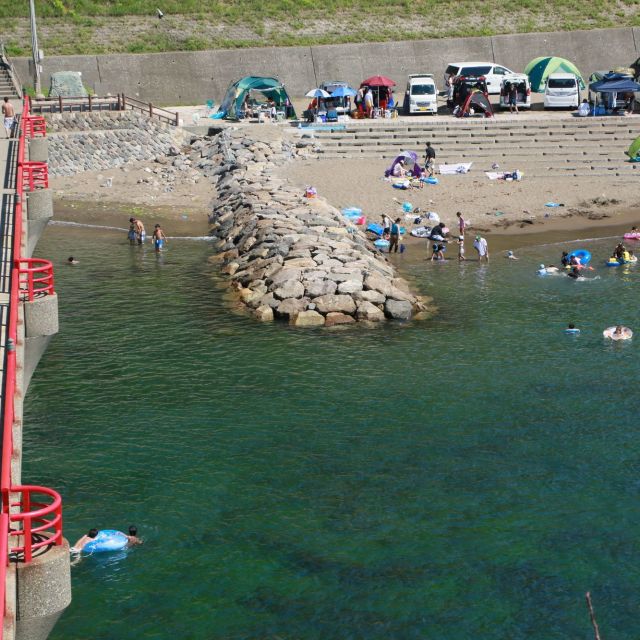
(626, 334)
(572, 331)
(421, 232)
(611, 262)
(632, 235)
(381, 244)
(582, 254)
(106, 540)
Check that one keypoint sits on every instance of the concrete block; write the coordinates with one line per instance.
(38, 150)
(43, 592)
(41, 316)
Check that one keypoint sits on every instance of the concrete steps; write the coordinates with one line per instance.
(537, 146)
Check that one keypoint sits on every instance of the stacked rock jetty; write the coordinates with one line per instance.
(289, 257)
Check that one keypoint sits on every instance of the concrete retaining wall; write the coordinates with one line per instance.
(194, 77)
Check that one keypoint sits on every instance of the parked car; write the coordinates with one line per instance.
(421, 95)
(493, 73)
(523, 87)
(562, 90)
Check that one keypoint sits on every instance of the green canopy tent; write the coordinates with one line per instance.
(271, 88)
(539, 69)
(634, 150)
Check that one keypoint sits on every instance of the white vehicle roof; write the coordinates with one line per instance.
(516, 76)
(561, 76)
(413, 76)
(472, 64)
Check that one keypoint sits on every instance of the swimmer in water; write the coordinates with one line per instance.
(572, 328)
(510, 255)
(71, 260)
(574, 273)
(86, 539)
(133, 537)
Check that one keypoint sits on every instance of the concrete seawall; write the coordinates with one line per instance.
(194, 77)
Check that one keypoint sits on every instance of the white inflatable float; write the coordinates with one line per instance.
(618, 333)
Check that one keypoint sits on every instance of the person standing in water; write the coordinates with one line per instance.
(133, 536)
(138, 227)
(159, 238)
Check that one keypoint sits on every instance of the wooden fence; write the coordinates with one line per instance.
(119, 102)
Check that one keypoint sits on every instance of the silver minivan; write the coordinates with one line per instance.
(562, 90)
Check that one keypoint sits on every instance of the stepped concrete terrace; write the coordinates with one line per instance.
(539, 144)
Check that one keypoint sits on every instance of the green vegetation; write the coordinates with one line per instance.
(101, 26)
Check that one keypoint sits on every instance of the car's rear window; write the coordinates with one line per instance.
(474, 71)
(561, 83)
(422, 89)
(452, 70)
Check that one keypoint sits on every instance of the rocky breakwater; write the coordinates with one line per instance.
(289, 257)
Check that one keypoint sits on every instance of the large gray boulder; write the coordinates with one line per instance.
(290, 308)
(308, 319)
(398, 309)
(315, 288)
(289, 289)
(368, 311)
(329, 303)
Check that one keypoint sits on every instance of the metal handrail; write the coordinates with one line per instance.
(17, 83)
(35, 279)
(28, 517)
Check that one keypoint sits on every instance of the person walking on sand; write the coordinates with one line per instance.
(9, 114)
(395, 236)
(429, 159)
(159, 238)
(461, 223)
(481, 246)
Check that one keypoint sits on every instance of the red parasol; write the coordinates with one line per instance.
(378, 81)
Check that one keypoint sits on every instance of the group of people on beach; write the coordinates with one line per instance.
(137, 234)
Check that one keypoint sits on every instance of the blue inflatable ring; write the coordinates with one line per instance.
(106, 540)
(582, 254)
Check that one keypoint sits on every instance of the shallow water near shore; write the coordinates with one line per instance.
(468, 476)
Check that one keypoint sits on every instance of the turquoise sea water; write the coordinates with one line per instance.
(466, 477)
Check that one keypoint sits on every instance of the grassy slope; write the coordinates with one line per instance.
(92, 26)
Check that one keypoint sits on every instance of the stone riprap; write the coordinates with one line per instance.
(101, 141)
(289, 257)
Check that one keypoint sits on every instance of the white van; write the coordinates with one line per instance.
(562, 90)
(422, 94)
(493, 73)
(523, 87)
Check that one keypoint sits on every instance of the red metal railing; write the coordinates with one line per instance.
(35, 175)
(39, 520)
(35, 278)
(35, 126)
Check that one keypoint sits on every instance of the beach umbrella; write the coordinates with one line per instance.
(343, 92)
(539, 69)
(378, 81)
(317, 93)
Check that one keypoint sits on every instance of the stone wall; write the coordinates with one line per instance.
(193, 77)
(102, 141)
